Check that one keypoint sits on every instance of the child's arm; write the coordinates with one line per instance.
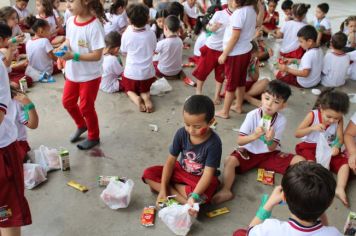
(255, 74)
(235, 36)
(166, 177)
(304, 128)
(204, 181)
(349, 139)
(91, 56)
(52, 56)
(261, 13)
(245, 139)
(340, 136)
(277, 34)
(32, 121)
(213, 27)
(299, 73)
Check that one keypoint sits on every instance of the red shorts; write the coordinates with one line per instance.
(192, 22)
(14, 209)
(159, 74)
(137, 86)
(25, 147)
(180, 176)
(297, 54)
(240, 232)
(249, 85)
(194, 59)
(16, 75)
(288, 78)
(209, 61)
(236, 71)
(274, 161)
(308, 151)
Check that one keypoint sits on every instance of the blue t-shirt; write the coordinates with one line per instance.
(194, 158)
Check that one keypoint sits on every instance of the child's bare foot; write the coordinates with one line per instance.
(149, 106)
(236, 109)
(222, 196)
(340, 193)
(217, 100)
(222, 114)
(142, 107)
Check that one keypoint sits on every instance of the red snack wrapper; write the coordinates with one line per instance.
(148, 216)
(268, 178)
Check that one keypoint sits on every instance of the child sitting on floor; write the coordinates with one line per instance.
(192, 178)
(112, 65)
(259, 140)
(191, 10)
(22, 11)
(327, 118)
(117, 18)
(306, 209)
(322, 24)
(348, 27)
(157, 26)
(287, 9)
(271, 18)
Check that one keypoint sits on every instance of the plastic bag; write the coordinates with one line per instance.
(323, 151)
(34, 174)
(177, 218)
(117, 194)
(47, 158)
(160, 86)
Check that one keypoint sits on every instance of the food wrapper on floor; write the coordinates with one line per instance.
(350, 225)
(34, 174)
(117, 194)
(47, 158)
(177, 218)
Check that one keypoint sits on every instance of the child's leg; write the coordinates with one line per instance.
(219, 78)
(224, 113)
(199, 89)
(137, 100)
(147, 101)
(257, 89)
(342, 177)
(240, 94)
(16, 231)
(225, 194)
(217, 98)
(177, 190)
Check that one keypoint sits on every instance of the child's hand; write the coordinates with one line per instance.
(352, 162)
(275, 198)
(162, 196)
(191, 211)
(20, 38)
(222, 59)
(282, 67)
(258, 132)
(214, 27)
(335, 151)
(68, 56)
(270, 134)
(318, 127)
(22, 98)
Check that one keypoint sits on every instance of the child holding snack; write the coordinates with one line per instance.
(192, 176)
(271, 17)
(350, 142)
(259, 140)
(327, 118)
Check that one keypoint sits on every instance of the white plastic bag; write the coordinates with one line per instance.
(117, 194)
(34, 174)
(33, 73)
(160, 86)
(48, 158)
(177, 218)
(323, 151)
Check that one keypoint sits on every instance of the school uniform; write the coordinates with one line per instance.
(52, 23)
(21, 122)
(37, 52)
(273, 23)
(352, 68)
(112, 70)
(313, 60)
(324, 24)
(115, 22)
(192, 13)
(307, 148)
(21, 13)
(154, 30)
(199, 43)
(290, 47)
(335, 68)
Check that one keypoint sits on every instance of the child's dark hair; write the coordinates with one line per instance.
(200, 104)
(300, 9)
(97, 8)
(5, 31)
(339, 40)
(332, 99)
(115, 5)
(279, 89)
(173, 23)
(287, 5)
(274, 1)
(34, 23)
(113, 40)
(309, 189)
(22, 1)
(6, 13)
(324, 7)
(148, 3)
(242, 3)
(177, 9)
(308, 32)
(160, 14)
(138, 14)
(346, 22)
(254, 46)
(203, 21)
(48, 7)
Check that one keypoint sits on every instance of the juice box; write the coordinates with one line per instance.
(64, 160)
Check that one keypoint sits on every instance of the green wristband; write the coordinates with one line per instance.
(268, 143)
(262, 213)
(13, 40)
(336, 143)
(195, 196)
(76, 56)
(27, 108)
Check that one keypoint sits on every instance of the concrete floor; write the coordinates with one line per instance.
(128, 146)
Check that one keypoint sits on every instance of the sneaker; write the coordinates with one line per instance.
(46, 78)
(189, 82)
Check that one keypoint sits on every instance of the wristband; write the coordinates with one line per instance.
(195, 196)
(27, 108)
(76, 56)
(268, 143)
(262, 213)
(13, 40)
(336, 143)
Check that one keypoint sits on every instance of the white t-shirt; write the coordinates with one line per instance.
(274, 227)
(153, 13)
(22, 13)
(139, 45)
(325, 22)
(170, 55)
(67, 15)
(290, 39)
(352, 69)
(8, 130)
(37, 52)
(243, 19)
(84, 38)
(51, 21)
(252, 121)
(215, 40)
(199, 43)
(112, 70)
(312, 60)
(353, 119)
(115, 23)
(335, 69)
(154, 30)
(191, 12)
(20, 121)
(329, 133)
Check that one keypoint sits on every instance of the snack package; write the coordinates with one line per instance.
(117, 194)
(64, 160)
(265, 176)
(260, 173)
(350, 225)
(218, 212)
(103, 180)
(265, 122)
(148, 216)
(34, 174)
(77, 186)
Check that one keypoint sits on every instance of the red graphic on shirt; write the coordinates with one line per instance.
(190, 164)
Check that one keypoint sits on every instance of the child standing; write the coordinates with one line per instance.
(192, 178)
(271, 18)
(322, 24)
(85, 39)
(308, 74)
(350, 142)
(138, 43)
(259, 140)
(112, 65)
(237, 54)
(306, 209)
(327, 119)
(14, 208)
(117, 18)
(212, 50)
(290, 47)
(336, 63)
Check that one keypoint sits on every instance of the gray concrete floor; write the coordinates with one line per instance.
(129, 147)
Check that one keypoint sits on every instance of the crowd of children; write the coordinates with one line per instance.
(229, 39)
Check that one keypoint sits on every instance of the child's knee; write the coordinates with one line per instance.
(297, 159)
(231, 161)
